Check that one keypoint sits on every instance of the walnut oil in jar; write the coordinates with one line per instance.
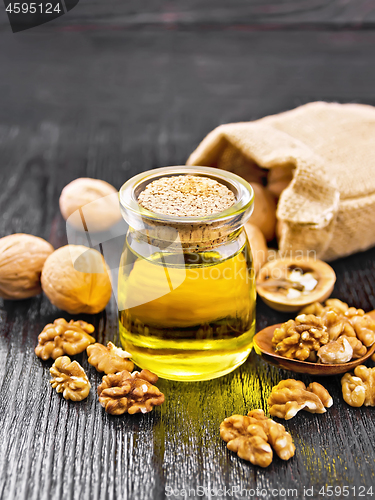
(186, 287)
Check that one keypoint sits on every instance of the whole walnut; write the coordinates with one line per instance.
(22, 257)
(99, 199)
(258, 245)
(279, 178)
(264, 214)
(76, 279)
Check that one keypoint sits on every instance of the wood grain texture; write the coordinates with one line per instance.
(211, 14)
(111, 103)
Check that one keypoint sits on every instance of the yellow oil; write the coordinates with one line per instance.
(189, 316)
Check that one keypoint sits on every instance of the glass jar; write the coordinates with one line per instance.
(186, 287)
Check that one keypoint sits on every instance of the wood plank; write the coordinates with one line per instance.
(110, 104)
(213, 14)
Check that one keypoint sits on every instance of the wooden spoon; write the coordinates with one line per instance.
(263, 346)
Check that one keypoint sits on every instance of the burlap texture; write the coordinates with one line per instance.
(329, 206)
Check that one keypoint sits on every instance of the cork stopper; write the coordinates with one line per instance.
(194, 208)
(186, 195)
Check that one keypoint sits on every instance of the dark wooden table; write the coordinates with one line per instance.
(109, 90)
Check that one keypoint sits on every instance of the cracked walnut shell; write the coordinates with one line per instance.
(22, 257)
(300, 338)
(61, 337)
(129, 392)
(69, 378)
(359, 389)
(252, 436)
(290, 396)
(110, 359)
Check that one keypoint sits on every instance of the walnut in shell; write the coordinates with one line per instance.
(279, 178)
(22, 257)
(61, 337)
(300, 338)
(69, 378)
(252, 436)
(359, 389)
(76, 279)
(110, 359)
(290, 396)
(264, 214)
(90, 204)
(258, 245)
(129, 392)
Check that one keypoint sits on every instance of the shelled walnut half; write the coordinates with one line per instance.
(129, 392)
(252, 436)
(110, 359)
(70, 379)
(359, 389)
(61, 337)
(300, 338)
(290, 396)
(336, 351)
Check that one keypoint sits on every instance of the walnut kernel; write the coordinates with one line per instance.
(336, 351)
(129, 392)
(251, 436)
(340, 319)
(280, 440)
(363, 325)
(299, 338)
(249, 441)
(290, 396)
(110, 359)
(70, 379)
(359, 389)
(61, 337)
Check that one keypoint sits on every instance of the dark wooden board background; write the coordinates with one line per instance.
(109, 90)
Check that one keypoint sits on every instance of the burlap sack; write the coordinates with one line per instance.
(329, 207)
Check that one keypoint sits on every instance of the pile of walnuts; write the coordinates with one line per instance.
(254, 436)
(120, 391)
(331, 333)
(75, 278)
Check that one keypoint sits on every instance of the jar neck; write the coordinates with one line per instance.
(148, 237)
(157, 249)
(188, 232)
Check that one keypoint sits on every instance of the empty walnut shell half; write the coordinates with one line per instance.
(290, 284)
